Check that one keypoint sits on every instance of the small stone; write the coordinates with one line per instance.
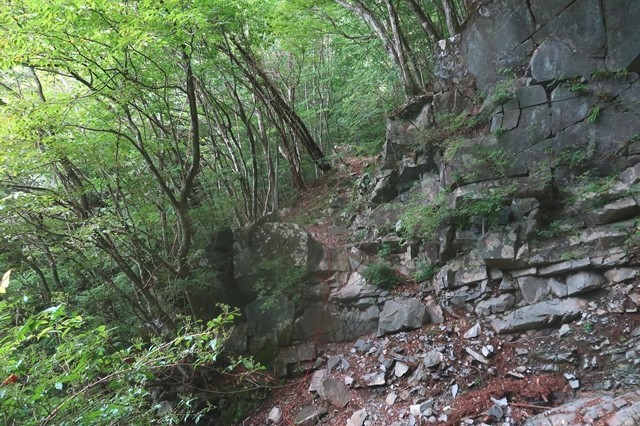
(522, 351)
(473, 332)
(620, 402)
(333, 363)
(496, 412)
(317, 379)
(514, 374)
(422, 409)
(477, 356)
(274, 415)
(391, 399)
(500, 402)
(565, 329)
(334, 392)
(348, 381)
(309, 415)
(432, 358)
(400, 369)
(573, 381)
(358, 418)
(374, 379)
(387, 363)
(487, 350)
(454, 390)
(415, 409)
(362, 346)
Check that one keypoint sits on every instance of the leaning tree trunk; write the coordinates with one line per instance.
(270, 95)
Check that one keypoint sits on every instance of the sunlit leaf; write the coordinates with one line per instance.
(5, 281)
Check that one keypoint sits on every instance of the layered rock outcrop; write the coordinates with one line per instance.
(540, 195)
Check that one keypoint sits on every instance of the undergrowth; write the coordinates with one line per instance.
(382, 275)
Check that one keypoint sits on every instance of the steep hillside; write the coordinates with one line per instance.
(484, 269)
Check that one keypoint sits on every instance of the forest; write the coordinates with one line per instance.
(132, 131)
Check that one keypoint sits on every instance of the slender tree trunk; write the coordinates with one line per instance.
(391, 44)
(450, 15)
(42, 279)
(271, 196)
(262, 86)
(425, 21)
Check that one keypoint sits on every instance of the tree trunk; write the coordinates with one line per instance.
(394, 49)
(269, 94)
(450, 15)
(425, 21)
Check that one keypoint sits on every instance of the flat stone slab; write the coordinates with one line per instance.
(496, 305)
(543, 314)
(566, 266)
(583, 282)
(309, 415)
(356, 288)
(613, 212)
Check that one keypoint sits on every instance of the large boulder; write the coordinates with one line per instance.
(583, 282)
(274, 246)
(497, 37)
(327, 322)
(268, 326)
(401, 314)
(499, 248)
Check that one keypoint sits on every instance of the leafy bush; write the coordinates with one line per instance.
(486, 207)
(381, 275)
(424, 271)
(421, 222)
(385, 250)
(58, 368)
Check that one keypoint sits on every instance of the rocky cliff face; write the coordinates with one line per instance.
(532, 219)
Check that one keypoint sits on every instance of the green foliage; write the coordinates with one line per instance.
(452, 146)
(594, 113)
(574, 155)
(451, 131)
(278, 278)
(485, 206)
(503, 91)
(385, 250)
(602, 75)
(60, 368)
(577, 86)
(381, 275)
(594, 188)
(553, 229)
(421, 221)
(499, 131)
(494, 158)
(424, 271)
